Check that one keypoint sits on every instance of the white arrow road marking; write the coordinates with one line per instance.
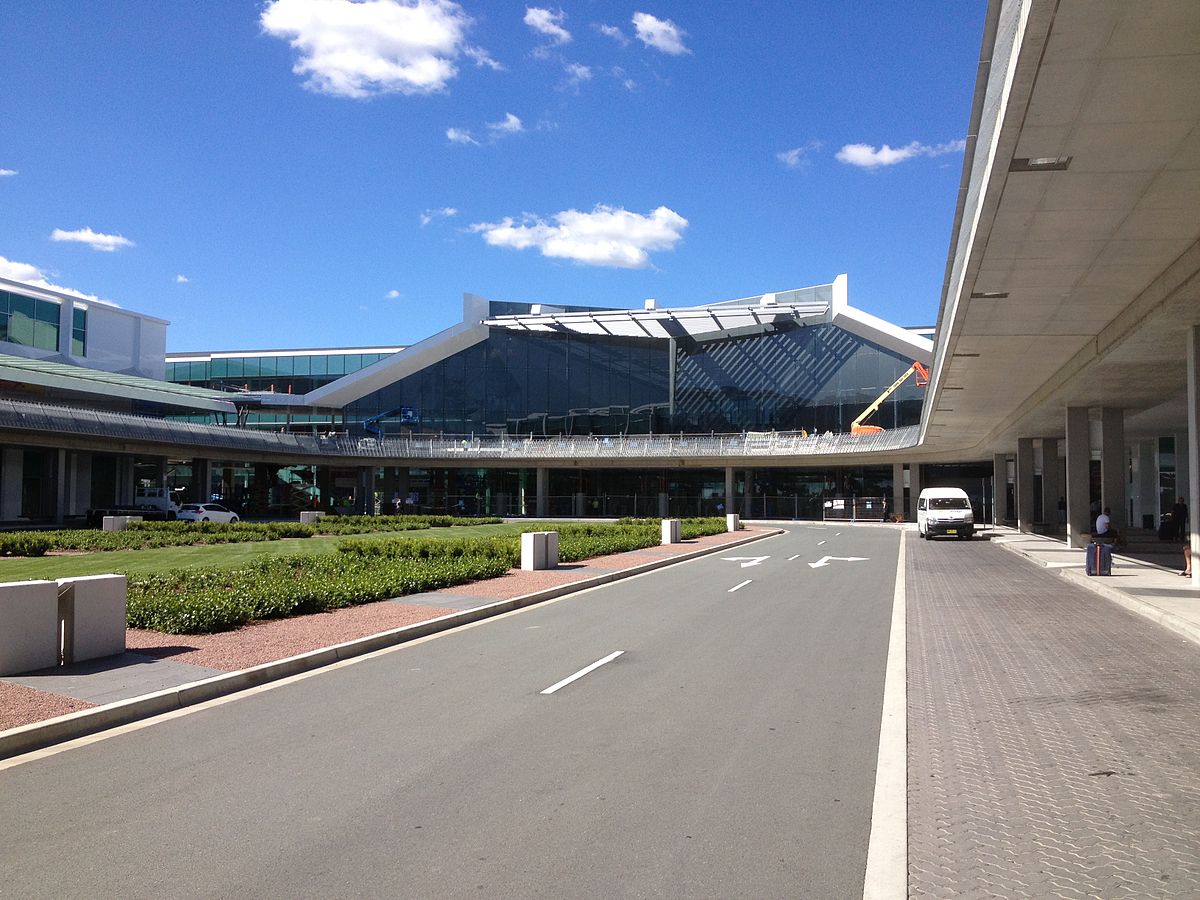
(824, 560)
(597, 664)
(738, 587)
(751, 560)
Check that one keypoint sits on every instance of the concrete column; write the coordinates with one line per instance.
(1025, 485)
(730, 495)
(1079, 454)
(364, 495)
(898, 489)
(1052, 487)
(747, 493)
(999, 489)
(1114, 470)
(61, 476)
(542, 503)
(914, 489)
(1193, 447)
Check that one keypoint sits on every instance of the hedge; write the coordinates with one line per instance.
(150, 535)
(192, 601)
(696, 526)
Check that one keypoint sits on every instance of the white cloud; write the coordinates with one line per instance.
(5, 173)
(661, 34)
(612, 31)
(548, 22)
(867, 157)
(626, 82)
(430, 214)
(460, 136)
(27, 273)
(482, 58)
(577, 74)
(106, 243)
(797, 157)
(181, 279)
(393, 294)
(606, 236)
(359, 48)
(510, 124)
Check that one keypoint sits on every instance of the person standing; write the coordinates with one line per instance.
(1179, 518)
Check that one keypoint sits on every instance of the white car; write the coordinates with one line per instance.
(206, 512)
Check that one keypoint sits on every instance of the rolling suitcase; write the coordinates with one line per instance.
(1099, 559)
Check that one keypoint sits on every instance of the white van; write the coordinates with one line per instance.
(945, 510)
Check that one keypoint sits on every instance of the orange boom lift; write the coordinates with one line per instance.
(857, 427)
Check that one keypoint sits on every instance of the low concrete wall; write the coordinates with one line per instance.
(118, 523)
(539, 550)
(672, 530)
(28, 626)
(310, 517)
(92, 611)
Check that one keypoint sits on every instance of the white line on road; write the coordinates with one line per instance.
(790, 558)
(887, 850)
(597, 664)
(738, 587)
(822, 543)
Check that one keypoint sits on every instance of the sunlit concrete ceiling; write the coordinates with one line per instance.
(1073, 285)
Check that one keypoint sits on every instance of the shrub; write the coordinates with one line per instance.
(25, 543)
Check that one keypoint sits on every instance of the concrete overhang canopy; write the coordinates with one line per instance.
(79, 380)
(1073, 268)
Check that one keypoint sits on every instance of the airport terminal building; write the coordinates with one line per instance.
(1063, 369)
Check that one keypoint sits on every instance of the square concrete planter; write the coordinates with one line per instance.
(92, 611)
(28, 626)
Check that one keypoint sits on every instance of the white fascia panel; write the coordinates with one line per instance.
(874, 329)
(387, 371)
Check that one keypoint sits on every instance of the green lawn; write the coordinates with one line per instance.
(142, 562)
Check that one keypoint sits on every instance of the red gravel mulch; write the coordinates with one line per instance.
(20, 705)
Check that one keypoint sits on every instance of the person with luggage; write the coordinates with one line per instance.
(1104, 532)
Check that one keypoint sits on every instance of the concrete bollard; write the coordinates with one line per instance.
(310, 516)
(28, 626)
(91, 610)
(733, 522)
(539, 550)
(672, 531)
(118, 523)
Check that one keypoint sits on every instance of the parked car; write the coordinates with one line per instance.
(946, 511)
(206, 512)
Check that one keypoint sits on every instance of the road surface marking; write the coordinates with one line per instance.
(790, 558)
(597, 664)
(738, 587)
(822, 543)
(887, 849)
(746, 561)
(824, 560)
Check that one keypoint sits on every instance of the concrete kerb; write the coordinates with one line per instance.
(1097, 585)
(38, 735)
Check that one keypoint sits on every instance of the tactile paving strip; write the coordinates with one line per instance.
(1054, 738)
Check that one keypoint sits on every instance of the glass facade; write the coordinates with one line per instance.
(815, 378)
(28, 321)
(79, 331)
(523, 383)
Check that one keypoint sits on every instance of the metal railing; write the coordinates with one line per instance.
(20, 415)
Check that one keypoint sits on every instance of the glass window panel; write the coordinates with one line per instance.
(320, 365)
(45, 311)
(219, 368)
(77, 345)
(236, 368)
(78, 318)
(336, 365)
(20, 329)
(3, 326)
(45, 336)
(4, 297)
(22, 305)
(301, 365)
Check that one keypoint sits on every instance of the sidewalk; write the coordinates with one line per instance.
(1053, 735)
(1150, 589)
(161, 672)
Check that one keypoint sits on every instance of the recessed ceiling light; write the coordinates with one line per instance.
(1039, 163)
(989, 295)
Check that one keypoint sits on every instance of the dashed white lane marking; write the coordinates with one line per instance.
(738, 587)
(790, 558)
(822, 543)
(597, 664)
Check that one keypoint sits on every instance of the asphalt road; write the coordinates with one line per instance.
(728, 751)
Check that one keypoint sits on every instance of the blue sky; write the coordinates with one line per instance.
(329, 173)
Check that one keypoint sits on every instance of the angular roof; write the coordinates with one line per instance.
(64, 377)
